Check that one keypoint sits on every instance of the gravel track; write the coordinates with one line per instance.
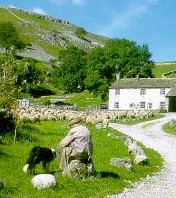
(150, 134)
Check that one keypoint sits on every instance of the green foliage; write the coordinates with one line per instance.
(109, 180)
(80, 31)
(6, 122)
(129, 58)
(9, 38)
(38, 90)
(8, 89)
(70, 74)
(118, 56)
(133, 121)
(29, 73)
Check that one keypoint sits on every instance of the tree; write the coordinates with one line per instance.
(99, 72)
(130, 59)
(69, 75)
(9, 38)
(80, 32)
(118, 56)
(8, 89)
(9, 95)
(29, 73)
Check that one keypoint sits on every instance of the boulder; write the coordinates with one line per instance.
(43, 181)
(76, 169)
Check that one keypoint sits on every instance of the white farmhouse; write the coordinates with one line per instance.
(143, 93)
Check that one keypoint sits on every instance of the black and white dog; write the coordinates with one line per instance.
(39, 154)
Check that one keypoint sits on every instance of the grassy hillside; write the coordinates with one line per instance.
(48, 33)
(164, 69)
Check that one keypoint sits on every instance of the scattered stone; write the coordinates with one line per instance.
(122, 162)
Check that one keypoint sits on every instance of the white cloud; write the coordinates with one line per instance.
(78, 2)
(11, 6)
(74, 2)
(134, 11)
(39, 11)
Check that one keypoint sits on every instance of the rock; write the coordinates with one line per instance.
(122, 162)
(141, 159)
(43, 181)
(76, 169)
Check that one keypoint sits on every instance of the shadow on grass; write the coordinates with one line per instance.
(105, 174)
(7, 191)
(4, 155)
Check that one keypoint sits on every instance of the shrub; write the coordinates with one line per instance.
(37, 91)
(6, 122)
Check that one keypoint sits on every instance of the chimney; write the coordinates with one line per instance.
(137, 77)
(117, 77)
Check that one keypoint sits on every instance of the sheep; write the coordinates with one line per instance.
(106, 121)
(43, 181)
(91, 120)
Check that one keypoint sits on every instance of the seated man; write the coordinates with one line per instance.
(77, 145)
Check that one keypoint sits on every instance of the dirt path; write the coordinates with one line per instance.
(163, 184)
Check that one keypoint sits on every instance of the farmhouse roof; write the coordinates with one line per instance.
(172, 92)
(144, 83)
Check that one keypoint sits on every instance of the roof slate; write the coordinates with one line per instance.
(171, 93)
(144, 83)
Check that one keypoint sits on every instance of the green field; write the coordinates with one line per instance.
(162, 69)
(109, 179)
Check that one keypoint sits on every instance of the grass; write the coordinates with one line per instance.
(82, 100)
(161, 69)
(168, 129)
(109, 180)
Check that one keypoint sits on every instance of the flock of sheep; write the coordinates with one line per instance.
(36, 114)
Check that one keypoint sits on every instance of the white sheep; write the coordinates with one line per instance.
(91, 120)
(43, 181)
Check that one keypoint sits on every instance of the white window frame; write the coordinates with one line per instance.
(117, 92)
(143, 91)
(150, 105)
(162, 91)
(116, 105)
(142, 105)
(162, 105)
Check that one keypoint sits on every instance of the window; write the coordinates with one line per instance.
(142, 105)
(116, 105)
(162, 91)
(162, 105)
(117, 92)
(142, 91)
(149, 105)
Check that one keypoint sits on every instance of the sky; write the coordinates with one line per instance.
(151, 22)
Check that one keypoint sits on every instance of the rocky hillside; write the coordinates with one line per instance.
(46, 34)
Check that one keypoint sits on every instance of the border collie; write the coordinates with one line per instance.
(39, 154)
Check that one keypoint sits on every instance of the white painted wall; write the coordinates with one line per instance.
(128, 96)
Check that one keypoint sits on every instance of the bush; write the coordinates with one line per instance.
(6, 122)
(37, 91)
